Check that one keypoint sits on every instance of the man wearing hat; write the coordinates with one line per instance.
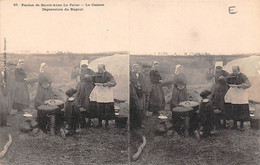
(4, 97)
(11, 83)
(146, 68)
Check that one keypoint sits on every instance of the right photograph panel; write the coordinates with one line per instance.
(194, 109)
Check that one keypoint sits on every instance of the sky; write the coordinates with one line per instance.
(137, 26)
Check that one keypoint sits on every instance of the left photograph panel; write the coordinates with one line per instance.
(64, 96)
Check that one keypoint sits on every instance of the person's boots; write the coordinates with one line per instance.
(234, 125)
(99, 123)
(106, 125)
(89, 122)
(224, 124)
(242, 126)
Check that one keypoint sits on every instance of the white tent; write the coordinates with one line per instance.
(250, 66)
(118, 66)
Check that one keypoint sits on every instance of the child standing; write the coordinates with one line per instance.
(206, 113)
(72, 114)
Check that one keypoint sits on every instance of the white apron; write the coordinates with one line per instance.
(236, 96)
(102, 94)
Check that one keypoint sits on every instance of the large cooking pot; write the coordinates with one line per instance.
(255, 118)
(183, 111)
(48, 108)
(58, 103)
(190, 104)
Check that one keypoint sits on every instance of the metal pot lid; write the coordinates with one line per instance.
(182, 109)
(189, 104)
(48, 107)
(54, 102)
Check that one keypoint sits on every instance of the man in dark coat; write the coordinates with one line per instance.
(137, 83)
(3, 98)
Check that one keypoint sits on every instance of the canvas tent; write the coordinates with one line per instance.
(250, 66)
(118, 66)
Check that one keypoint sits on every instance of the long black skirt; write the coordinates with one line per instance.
(91, 111)
(241, 112)
(106, 111)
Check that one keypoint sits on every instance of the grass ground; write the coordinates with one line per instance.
(91, 146)
(224, 147)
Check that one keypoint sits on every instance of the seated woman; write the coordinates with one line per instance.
(179, 93)
(44, 93)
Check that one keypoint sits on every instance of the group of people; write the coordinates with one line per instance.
(227, 99)
(16, 81)
(229, 95)
(147, 94)
(91, 98)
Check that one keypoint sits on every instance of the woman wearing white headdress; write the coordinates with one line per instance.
(179, 93)
(44, 91)
(21, 92)
(237, 96)
(103, 94)
(157, 100)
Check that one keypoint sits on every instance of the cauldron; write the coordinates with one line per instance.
(46, 117)
(184, 118)
(59, 113)
(255, 119)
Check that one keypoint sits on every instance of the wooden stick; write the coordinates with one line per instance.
(2, 154)
(140, 149)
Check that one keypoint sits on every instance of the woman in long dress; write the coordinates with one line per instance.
(84, 88)
(217, 96)
(147, 85)
(138, 94)
(21, 92)
(179, 93)
(102, 94)
(238, 97)
(157, 100)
